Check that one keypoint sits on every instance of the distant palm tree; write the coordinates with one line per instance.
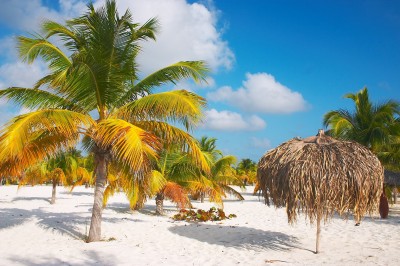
(374, 126)
(246, 170)
(215, 184)
(99, 73)
(63, 168)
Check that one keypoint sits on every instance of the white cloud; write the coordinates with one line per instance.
(260, 143)
(21, 74)
(187, 32)
(27, 15)
(231, 121)
(261, 93)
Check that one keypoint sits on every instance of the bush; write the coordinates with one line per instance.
(201, 215)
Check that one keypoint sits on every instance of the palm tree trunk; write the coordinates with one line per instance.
(53, 192)
(160, 203)
(97, 211)
(318, 233)
(202, 197)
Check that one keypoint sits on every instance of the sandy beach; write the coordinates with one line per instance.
(34, 232)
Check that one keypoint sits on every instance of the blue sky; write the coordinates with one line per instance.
(277, 66)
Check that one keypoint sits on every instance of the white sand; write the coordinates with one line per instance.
(33, 232)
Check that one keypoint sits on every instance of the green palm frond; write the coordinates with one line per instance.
(227, 189)
(224, 164)
(71, 40)
(174, 106)
(170, 135)
(37, 99)
(197, 70)
(31, 48)
(374, 126)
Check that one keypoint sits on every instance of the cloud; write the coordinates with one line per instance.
(187, 32)
(20, 74)
(260, 143)
(27, 15)
(231, 121)
(261, 93)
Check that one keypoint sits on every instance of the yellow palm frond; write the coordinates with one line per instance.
(18, 132)
(36, 149)
(157, 182)
(133, 146)
(177, 137)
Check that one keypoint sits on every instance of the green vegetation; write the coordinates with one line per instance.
(374, 126)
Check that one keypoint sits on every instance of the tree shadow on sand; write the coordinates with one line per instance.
(73, 224)
(88, 258)
(237, 237)
(77, 193)
(30, 198)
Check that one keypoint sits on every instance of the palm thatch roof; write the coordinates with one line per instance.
(392, 178)
(319, 176)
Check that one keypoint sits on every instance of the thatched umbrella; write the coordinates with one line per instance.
(321, 176)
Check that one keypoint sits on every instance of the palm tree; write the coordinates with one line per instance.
(373, 126)
(246, 170)
(63, 168)
(216, 183)
(170, 178)
(99, 73)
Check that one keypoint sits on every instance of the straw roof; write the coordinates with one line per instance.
(320, 175)
(392, 178)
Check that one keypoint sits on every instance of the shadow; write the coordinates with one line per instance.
(77, 193)
(237, 236)
(31, 198)
(88, 258)
(64, 223)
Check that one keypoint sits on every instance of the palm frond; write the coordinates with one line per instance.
(197, 70)
(31, 48)
(37, 99)
(56, 122)
(176, 194)
(129, 144)
(174, 106)
(170, 135)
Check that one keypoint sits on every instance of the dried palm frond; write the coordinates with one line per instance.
(320, 176)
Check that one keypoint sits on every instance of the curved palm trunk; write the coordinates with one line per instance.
(53, 192)
(101, 177)
(160, 203)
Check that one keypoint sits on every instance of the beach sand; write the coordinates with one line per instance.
(34, 232)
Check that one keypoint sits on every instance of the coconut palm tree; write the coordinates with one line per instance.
(170, 178)
(63, 168)
(93, 89)
(216, 183)
(373, 126)
(247, 171)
